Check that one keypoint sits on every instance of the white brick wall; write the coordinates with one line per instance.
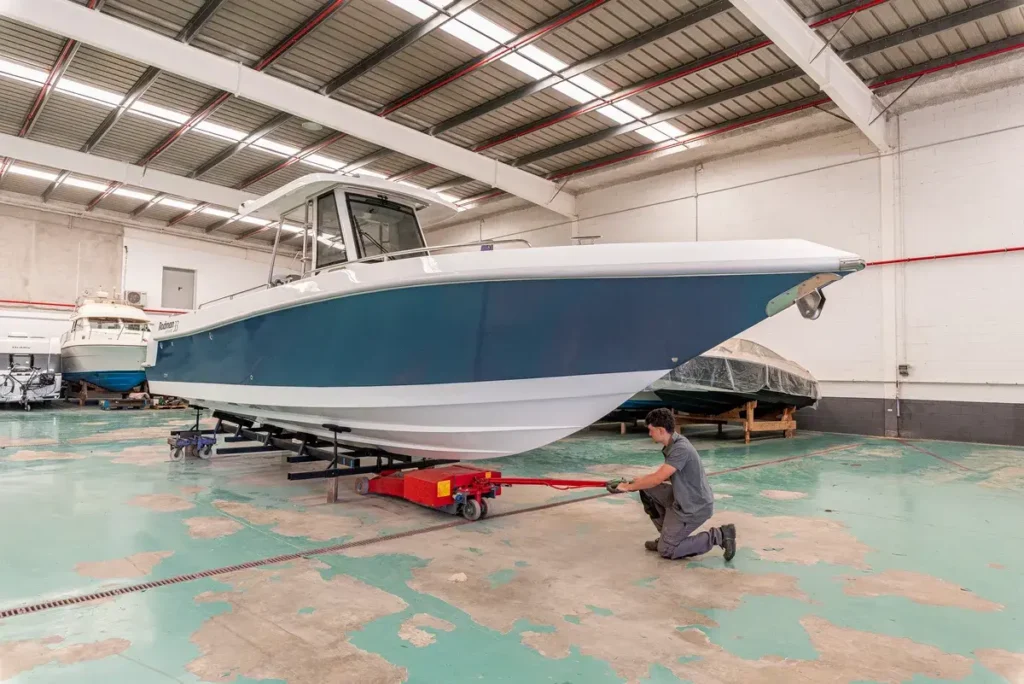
(956, 185)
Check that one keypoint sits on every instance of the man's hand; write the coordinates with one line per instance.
(617, 486)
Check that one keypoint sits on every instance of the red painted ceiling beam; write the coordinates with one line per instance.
(267, 60)
(469, 67)
(60, 65)
(648, 84)
(717, 130)
(215, 103)
(492, 56)
(110, 189)
(1007, 45)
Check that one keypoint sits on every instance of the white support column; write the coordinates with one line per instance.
(807, 49)
(118, 37)
(35, 152)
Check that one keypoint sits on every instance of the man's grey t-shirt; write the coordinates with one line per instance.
(689, 483)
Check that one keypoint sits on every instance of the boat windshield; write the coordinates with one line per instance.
(117, 324)
(331, 249)
(382, 226)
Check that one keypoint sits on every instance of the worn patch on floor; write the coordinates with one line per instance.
(1011, 477)
(162, 503)
(812, 540)
(122, 434)
(410, 630)
(142, 456)
(136, 565)
(7, 442)
(211, 527)
(601, 588)
(844, 655)
(265, 636)
(26, 455)
(315, 526)
(782, 495)
(919, 588)
(21, 656)
(1004, 663)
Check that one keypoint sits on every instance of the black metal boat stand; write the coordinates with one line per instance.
(342, 460)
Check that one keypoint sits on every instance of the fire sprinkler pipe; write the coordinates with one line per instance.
(63, 305)
(950, 255)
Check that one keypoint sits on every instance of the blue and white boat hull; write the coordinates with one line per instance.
(113, 367)
(474, 355)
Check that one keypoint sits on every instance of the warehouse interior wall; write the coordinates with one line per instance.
(953, 185)
(51, 258)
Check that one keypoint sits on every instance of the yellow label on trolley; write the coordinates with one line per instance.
(444, 488)
(487, 475)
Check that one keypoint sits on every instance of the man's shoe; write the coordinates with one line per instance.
(729, 541)
(652, 545)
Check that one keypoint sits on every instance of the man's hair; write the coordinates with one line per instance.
(663, 418)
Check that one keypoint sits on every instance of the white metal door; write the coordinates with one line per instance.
(179, 289)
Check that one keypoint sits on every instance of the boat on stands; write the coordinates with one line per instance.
(734, 373)
(106, 345)
(467, 351)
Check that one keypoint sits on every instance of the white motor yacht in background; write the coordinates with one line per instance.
(29, 369)
(106, 345)
(465, 351)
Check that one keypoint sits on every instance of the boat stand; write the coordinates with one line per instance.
(782, 421)
(341, 460)
(441, 484)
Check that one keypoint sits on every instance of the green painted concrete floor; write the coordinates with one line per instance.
(860, 560)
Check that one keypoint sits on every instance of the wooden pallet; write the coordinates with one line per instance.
(784, 421)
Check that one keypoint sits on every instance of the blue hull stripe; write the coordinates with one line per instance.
(476, 332)
(114, 381)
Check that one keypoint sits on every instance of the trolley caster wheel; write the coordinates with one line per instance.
(205, 452)
(363, 486)
(485, 508)
(177, 454)
(190, 451)
(472, 511)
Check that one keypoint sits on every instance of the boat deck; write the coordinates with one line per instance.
(860, 560)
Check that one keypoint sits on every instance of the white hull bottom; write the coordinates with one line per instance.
(463, 421)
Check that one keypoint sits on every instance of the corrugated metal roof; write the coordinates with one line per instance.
(188, 152)
(278, 179)
(29, 46)
(242, 115)
(168, 16)
(436, 54)
(68, 121)
(239, 167)
(469, 91)
(178, 94)
(520, 15)
(713, 80)
(132, 137)
(17, 97)
(351, 34)
(103, 70)
(429, 179)
(26, 185)
(245, 30)
(253, 27)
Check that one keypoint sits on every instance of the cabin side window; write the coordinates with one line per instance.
(382, 227)
(330, 247)
(105, 323)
